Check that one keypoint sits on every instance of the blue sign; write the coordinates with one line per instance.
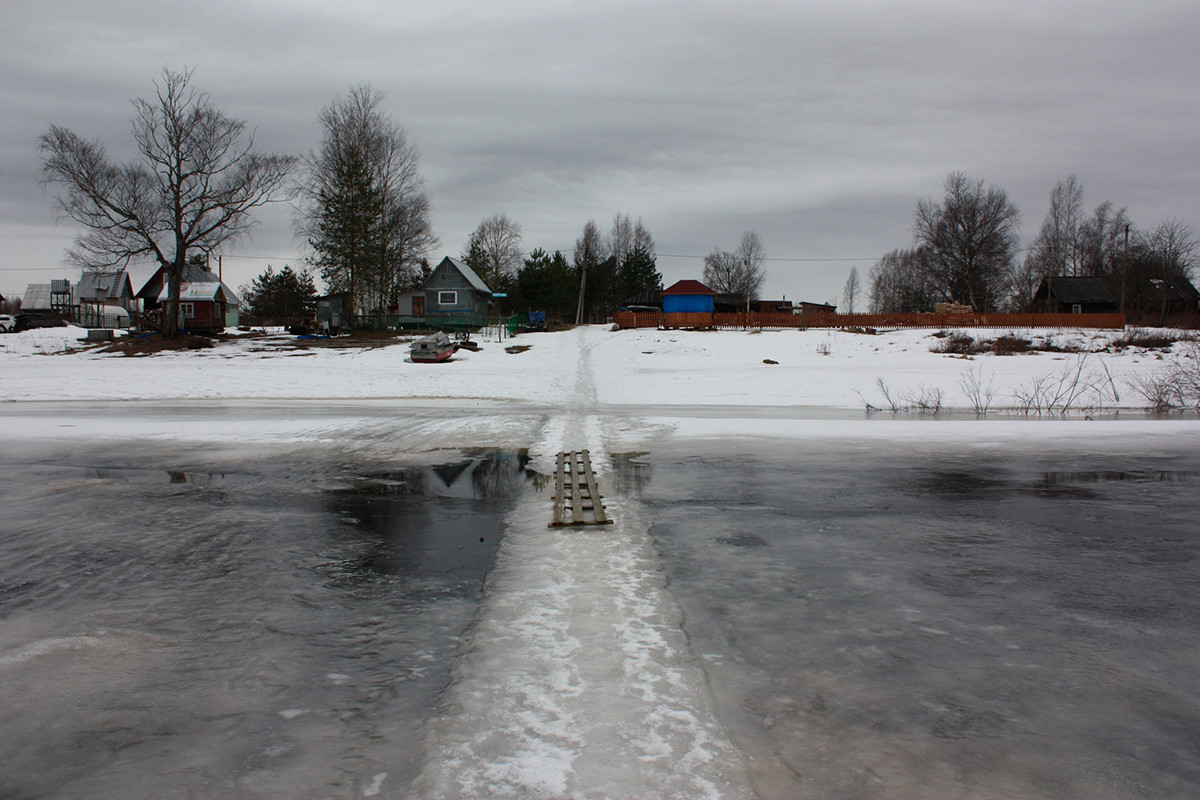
(499, 294)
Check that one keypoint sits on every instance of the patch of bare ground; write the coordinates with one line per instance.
(152, 344)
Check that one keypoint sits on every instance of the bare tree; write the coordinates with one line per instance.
(970, 239)
(851, 290)
(589, 251)
(192, 190)
(751, 254)
(1104, 240)
(625, 237)
(739, 272)
(722, 271)
(494, 250)
(900, 284)
(619, 241)
(1175, 245)
(366, 214)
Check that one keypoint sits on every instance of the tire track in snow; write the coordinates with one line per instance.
(577, 679)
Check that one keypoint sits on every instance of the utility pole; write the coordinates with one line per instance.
(582, 285)
(1125, 269)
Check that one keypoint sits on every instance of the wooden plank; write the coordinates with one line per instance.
(594, 491)
(560, 492)
(580, 502)
(576, 501)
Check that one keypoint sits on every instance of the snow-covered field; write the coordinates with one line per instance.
(815, 368)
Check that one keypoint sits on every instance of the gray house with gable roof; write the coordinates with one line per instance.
(454, 295)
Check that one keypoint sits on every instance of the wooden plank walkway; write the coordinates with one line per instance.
(577, 499)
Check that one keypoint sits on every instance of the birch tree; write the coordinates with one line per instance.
(365, 212)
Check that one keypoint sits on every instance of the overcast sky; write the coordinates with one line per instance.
(817, 124)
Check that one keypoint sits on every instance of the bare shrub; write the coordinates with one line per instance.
(887, 394)
(1076, 387)
(1146, 339)
(1010, 343)
(926, 400)
(979, 391)
(1176, 385)
(957, 343)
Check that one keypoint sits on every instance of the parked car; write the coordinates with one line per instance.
(9, 323)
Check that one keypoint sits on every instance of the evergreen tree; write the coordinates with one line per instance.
(639, 273)
(280, 296)
(548, 283)
(349, 241)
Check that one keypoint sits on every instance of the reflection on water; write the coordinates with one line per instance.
(631, 472)
(479, 475)
(1107, 476)
(435, 527)
(280, 627)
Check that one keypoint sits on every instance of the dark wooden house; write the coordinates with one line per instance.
(1070, 295)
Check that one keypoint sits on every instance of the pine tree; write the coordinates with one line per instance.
(639, 274)
(349, 243)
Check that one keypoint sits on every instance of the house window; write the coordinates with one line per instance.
(1076, 309)
(447, 298)
(187, 310)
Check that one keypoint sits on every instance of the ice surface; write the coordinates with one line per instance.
(579, 675)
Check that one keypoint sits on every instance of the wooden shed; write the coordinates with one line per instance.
(688, 304)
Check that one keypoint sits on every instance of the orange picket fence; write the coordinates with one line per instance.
(776, 319)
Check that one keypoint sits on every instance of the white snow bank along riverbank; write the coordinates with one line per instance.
(830, 369)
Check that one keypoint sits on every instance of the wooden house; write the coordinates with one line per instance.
(1061, 294)
(204, 307)
(808, 310)
(454, 296)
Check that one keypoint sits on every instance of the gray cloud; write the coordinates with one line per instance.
(819, 124)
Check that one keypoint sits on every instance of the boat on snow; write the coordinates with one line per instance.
(431, 349)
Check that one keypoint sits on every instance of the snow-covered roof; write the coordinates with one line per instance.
(468, 273)
(201, 291)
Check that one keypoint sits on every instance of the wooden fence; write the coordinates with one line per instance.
(757, 320)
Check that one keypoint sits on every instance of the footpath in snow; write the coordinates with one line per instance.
(578, 679)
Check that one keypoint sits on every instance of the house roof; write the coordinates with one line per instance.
(206, 290)
(688, 287)
(104, 285)
(474, 280)
(37, 297)
(1079, 290)
(1183, 289)
(140, 275)
(152, 285)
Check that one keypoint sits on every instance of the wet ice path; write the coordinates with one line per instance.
(578, 679)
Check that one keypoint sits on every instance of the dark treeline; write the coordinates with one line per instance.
(965, 250)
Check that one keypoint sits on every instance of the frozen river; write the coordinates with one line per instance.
(379, 610)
